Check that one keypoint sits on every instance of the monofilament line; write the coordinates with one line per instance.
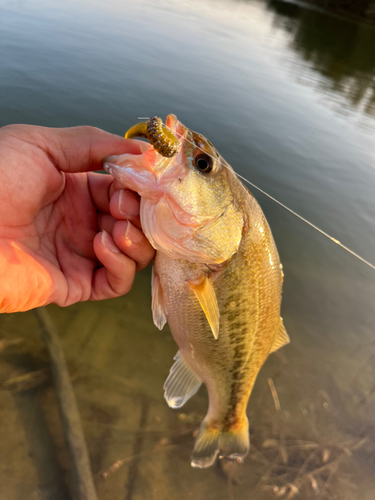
(309, 223)
(293, 212)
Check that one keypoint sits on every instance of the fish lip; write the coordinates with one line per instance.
(176, 127)
(141, 181)
(108, 163)
(171, 123)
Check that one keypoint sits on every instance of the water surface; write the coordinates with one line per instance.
(287, 95)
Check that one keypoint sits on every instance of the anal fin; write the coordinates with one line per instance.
(157, 304)
(281, 338)
(206, 296)
(181, 383)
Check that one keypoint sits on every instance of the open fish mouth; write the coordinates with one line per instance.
(187, 210)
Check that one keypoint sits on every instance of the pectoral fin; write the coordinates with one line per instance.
(206, 296)
(157, 304)
(281, 338)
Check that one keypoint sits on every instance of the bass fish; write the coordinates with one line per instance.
(216, 278)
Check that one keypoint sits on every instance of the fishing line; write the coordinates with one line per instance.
(291, 211)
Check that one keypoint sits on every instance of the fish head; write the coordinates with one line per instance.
(189, 207)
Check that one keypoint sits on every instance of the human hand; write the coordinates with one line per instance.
(65, 232)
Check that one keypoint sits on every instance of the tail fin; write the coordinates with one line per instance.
(233, 444)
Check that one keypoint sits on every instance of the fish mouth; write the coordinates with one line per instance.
(147, 172)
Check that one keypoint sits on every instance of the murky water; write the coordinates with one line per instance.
(287, 94)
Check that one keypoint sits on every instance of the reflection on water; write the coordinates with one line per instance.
(344, 60)
(264, 80)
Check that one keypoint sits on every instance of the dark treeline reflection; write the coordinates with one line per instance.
(363, 9)
(339, 49)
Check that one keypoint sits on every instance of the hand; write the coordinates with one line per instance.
(51, 210)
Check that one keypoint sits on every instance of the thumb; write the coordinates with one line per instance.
(82, 149)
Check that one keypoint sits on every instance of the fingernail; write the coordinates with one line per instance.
(132, 233)
(128, 203)
(108, 243)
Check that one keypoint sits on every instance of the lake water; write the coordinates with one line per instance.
(287, 95)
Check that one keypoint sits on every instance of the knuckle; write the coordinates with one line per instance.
(122, 284)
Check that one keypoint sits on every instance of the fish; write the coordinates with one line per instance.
(216, 277)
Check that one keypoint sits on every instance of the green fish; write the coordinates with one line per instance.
(217, 277)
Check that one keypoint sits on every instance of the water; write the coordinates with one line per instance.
(287, 95)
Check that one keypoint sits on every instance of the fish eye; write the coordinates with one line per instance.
(203, 163)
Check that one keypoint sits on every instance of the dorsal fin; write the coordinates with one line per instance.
(181, 383)
(206, 296)
(157, 304)
(281, 338)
